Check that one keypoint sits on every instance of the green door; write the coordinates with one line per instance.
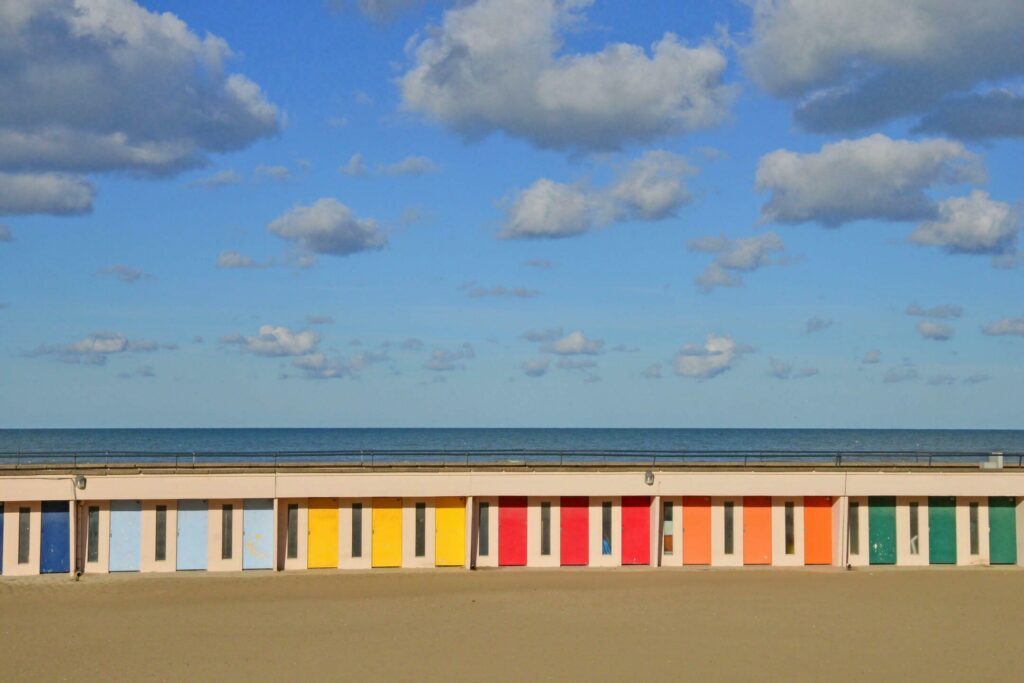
(1002, 530)
(942, 530)
(882, 529)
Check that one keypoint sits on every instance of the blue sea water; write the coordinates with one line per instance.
(305, 440)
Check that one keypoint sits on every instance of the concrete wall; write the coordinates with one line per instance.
(11, 534)
(218, 563)
(779, 556)
(904, 554)
(534, 556)
(345, 558)
(100, 566)
(149, 562)
(409, 558)
(964, 556)
(597, 556)
(719, 556)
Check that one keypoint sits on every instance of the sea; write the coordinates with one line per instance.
(288, 440)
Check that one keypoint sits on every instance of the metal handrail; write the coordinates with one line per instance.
(495, 458)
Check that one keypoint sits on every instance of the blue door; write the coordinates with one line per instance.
(125, 535)
(257, 534)
(193, 520)
(55, 543)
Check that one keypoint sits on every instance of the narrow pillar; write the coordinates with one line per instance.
(655, 560)
(470, 533)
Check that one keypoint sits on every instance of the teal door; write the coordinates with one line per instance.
(1002, 530)
(882, 529)
(942, 530)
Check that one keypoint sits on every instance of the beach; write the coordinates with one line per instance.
(588, 624)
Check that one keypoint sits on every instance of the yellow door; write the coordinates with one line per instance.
(323, 533)
(387, 532)
(450, 532)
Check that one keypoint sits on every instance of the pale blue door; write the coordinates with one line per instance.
(257, 534)
(192, 533)
(125, 535)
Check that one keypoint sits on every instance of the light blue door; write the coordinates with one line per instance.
(125, 535)
(257, 534)
(192, 532)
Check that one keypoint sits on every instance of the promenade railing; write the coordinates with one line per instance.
(370, 459)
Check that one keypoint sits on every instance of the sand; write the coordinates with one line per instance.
(558, 625)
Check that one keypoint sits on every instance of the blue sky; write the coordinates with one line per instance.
(519, 213)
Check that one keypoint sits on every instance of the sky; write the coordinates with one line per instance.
(552, 213)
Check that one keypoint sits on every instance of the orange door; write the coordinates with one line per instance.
(757, 530)
(696, 530)
(818, 530)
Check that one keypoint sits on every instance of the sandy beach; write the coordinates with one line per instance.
(808, 625)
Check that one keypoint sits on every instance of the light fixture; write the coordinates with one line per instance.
(79, 482)
(649, 478)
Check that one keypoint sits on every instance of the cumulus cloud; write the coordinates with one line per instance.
(52, 193)
(276, 341)
(355, 167)
(234, 259)
(853, 66)
(377, 10)
(817, 323)
(124, 273)
(869, 178)
(975, 224)
(978, 116)
(718, 354)
(536, 367)
(942, 311)
(1005, 327)
(5, 234)
(494, 65)
(218, 179)
(574, 343)
(329, 365)
(412, 165)
(106, 85)
(476, 291)
(741, 255)
(780, 369)
(649, 188)
(445, 360)
(97, 347)
(328, 227)
(929, 329)
(872, 357)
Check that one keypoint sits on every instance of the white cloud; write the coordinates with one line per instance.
(328, 227)
(218, 179)
(377, 10)
(974, 224)
(978, 116)
(106, 85)
(856, 65)
(412, 165)
(718, 354)
(649, 188)
(817, 323)
(942, 311)
(872, 357)
(536, 367)
(97, 347)
(124, 273)
(355, 167)
(445, 360)
(275, 341)
(869, 178)
(574, 343)
(234, 259)
(780, 369)
(1005, 326)
(929, 329)
(741, 255)
(494, 66)
(52, 193)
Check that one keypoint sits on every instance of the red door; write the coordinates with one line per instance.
(636, 530)
(575, 531)
(512, 531)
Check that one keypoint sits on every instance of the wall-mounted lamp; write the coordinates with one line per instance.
(649, 478)
(79, 482)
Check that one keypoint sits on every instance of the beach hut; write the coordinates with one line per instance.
(757, 530)
(193, 531)
(818, 530)
(55, 542)
(512, 531)
(882, 530)
(125, 535)
(386, 544)
(258, 534)
(636, 530)
(696, 530)
(575, 530)
(450, 532)
(322, 548)
(1002, 529)
(942, 530)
